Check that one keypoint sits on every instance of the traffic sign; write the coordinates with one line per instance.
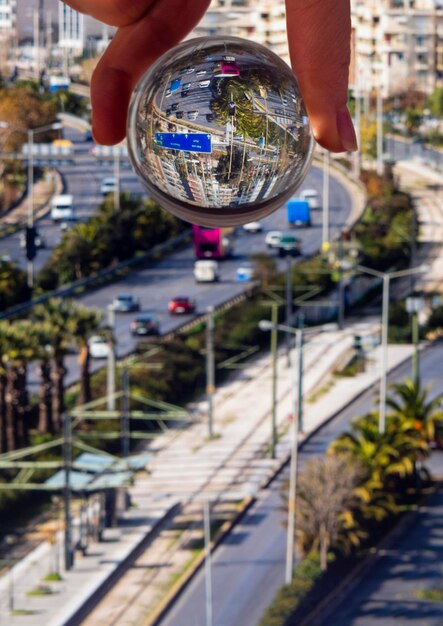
(187, 142)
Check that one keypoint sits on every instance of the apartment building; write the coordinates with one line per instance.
(262, 21)
(7, 16)
(397, 45)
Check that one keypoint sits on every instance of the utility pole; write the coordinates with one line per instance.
(384, 353)
(208, 563)
(110, 379)
(325, 213)
(274, 338)
(30, 221)
(379, 128)
(67, 463)
(117, 178)
(210, 369)
(288, 307)
(125, 429)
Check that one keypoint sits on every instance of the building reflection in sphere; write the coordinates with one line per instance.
(218, 131)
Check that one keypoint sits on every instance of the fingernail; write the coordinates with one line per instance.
(346, 130)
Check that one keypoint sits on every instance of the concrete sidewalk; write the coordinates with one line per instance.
(187, 467)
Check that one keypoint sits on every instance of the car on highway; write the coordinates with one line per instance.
(289, 245)
(87, 136)
(180, 115)
(146, 324)
(98, 347)
(229, 58)
(272, 238)
(204, 83)
(187, 70)
(311, 195)
(62, 207)
(253, 227)
(245, 273)
(226, 70)
(192, 115)
(168, 111)
(210, 117)
(125, 303)
(181, 305)
(108, 185)
(201, 72)
(206, 271)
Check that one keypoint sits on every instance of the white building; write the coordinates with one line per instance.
(397, 45)
(7, 16)
(262, 21)
(71, 26)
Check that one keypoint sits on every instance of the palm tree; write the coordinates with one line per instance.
(18, 349)
(83, 324)
(410, 401)
(44, 335)
(57, 313)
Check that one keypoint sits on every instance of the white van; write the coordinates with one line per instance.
(206, 271)
(62, 208)
(312, 197)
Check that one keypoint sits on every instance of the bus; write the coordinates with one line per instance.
(212, 243)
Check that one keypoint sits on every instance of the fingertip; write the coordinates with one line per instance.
(110, 94)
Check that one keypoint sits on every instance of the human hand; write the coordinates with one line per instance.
(319, 41)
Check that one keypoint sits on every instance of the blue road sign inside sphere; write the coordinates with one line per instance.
(188, 142)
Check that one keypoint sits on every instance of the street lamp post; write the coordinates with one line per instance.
(386, 278)
(325, 212)
(413, 306)
(210, 369)
(30, 133)
(296, 426)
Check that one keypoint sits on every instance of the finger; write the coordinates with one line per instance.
(133, 49)
(114, 12)
(319, 33)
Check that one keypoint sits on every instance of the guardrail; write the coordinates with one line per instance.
(72, 288)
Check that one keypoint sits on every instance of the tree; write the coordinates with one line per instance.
(410, 401)
(83, 324)
(325, 499)
(435, 102)
(57, 313)
(13, 287)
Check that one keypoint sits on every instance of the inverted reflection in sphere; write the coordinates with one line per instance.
(218, 131)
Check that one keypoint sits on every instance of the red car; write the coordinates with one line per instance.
(181, 305)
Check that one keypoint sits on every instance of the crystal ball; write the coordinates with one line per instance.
(218, 131)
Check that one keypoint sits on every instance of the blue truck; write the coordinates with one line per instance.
(299, 213)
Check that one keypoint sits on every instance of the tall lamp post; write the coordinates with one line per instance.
(386, 278)
(414, 305)
(31, 133)
(296, 425)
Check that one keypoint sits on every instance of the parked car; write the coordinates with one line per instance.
(253, 227)
(146, 324)
(125, 303)
(98, 347)
(181, 305)
(108, 185)
(272, 238)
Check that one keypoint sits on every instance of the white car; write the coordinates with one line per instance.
(98, 347)
(245, 272)
(272, 238)
(312, 197)
(192, 115)
(253, 227)
(204, 83)
(108, 185)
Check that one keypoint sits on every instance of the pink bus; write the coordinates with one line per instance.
(211, 243)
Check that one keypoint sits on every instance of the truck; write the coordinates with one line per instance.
(299, 212)
(62, 208)
(206, 271)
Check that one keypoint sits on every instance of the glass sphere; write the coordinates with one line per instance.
(218, 131)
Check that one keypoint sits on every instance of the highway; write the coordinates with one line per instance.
(249, 565)
(157, 284)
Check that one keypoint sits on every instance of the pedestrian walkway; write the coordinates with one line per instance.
(188, 467)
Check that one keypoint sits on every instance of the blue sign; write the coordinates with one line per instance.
(188, 142)
(175, 84)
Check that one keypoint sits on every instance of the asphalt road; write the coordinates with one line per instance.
(173, 276)
(248, 567)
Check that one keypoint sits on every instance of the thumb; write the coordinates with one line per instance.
(319, 33)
